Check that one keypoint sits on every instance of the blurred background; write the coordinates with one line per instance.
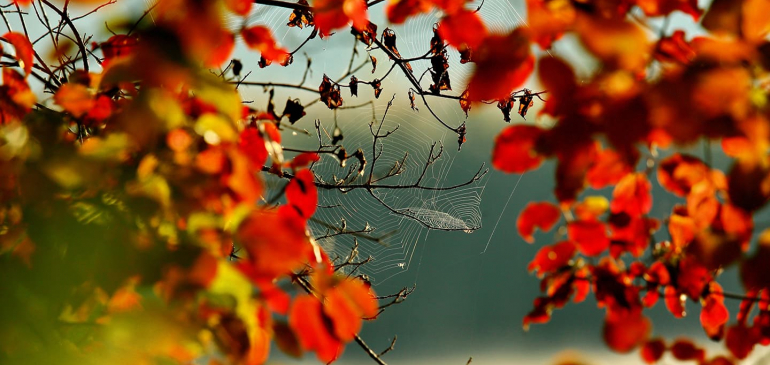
(471, 289)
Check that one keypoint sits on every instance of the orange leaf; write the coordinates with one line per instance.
(551, 258)
(616, 42)
(549, 20)
(75, 99)
(24, 51)
(608, 168)
(346, 304)
(221, 52)
(590, 236)
(503, 64)
(463, 29)
(632, 195)
(307, 321)
(335, 14)
(713, 316)
(679, 173)
(541, 215)
(260, 38)
(240, 7)
(755, 20)
(242, 178)
(514, 150)
(16, 98)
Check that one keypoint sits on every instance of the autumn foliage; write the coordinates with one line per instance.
(137, 226)
(620, 129)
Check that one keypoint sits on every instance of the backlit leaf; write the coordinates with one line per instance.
(541, 215)
(514, 150)
(24, 51)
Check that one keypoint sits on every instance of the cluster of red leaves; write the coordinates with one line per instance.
(191, 160)
(16, 98)
(605, 125)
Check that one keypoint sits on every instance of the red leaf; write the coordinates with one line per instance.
(24, 51)
(679, 173)
(574, 161)
(307, 321)
(204, 270)
(251, 143)
(666, 7)
(503, 64)
(685, 350)
(713, 316)
(740, 340)
(590, 236)
(581, 285)
(749, 185)
(463, 29)
(632, 195)
(607, 169)
(302, 194)
(75, 99)
(240, 7)
(626, 329)
(304, 159)
(755, 272)
(541, 313)
(541, 215)
(118, 46)
(551, 258)
(275, 242)
(399, 10)
(658, 274)
(335, 14)
(549, 20)
(514, 150)
(346, 304)
(675, 49)
(674, 301)
(653, 350)
(260, 38)
(693, 277)
(222, 51)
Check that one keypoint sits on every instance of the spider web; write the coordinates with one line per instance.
(392, 222)
(387, 225)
